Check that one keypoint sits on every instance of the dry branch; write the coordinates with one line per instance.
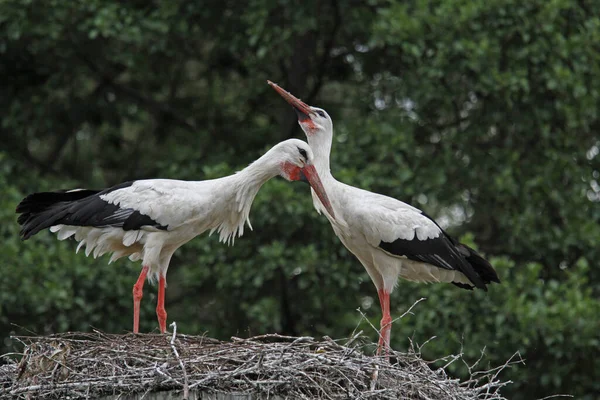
(87, 365)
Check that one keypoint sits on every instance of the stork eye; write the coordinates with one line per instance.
(303, 153)
(321, 113)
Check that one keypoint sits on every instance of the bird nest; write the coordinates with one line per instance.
(89, 365)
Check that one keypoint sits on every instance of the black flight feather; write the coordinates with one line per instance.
(439, 252)
(444, 252)
(77, 208)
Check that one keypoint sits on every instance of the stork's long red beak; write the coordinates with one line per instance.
(312, 176)
(302, 109)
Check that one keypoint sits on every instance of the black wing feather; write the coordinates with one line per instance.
(444, 252)
(78, 208)
(439, 252)
(38, 202)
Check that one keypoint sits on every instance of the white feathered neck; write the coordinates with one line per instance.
(245, 184)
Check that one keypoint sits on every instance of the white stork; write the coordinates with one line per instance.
(149, 219)
(390, 238)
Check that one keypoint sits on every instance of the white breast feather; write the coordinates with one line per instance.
(233, 217)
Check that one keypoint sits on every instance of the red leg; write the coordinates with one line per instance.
(161, 313)
(138, 293)
(380, 342)
(386, 322)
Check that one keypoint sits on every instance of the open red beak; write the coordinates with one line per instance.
(313, 179)
(302, 109)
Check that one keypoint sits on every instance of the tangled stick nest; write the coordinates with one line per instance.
(88, 365)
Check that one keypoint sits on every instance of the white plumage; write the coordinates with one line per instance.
(364, 220)
(390, 238)
(149, 220)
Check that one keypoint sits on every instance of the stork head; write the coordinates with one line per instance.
(295, 160)
(314, 121)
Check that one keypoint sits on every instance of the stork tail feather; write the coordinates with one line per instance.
(481, 266)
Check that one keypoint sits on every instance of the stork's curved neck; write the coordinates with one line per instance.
(320, 143)
(250, 179)
(244, 186)
(260, 171)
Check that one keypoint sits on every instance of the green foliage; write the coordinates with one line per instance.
(482, 113)
(45, 287)
(489, 83)
(548, 321)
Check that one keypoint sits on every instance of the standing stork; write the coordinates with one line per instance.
(149, 219)
(390, 238)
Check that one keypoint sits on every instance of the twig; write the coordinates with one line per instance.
(169, 378)
(186, 389)
(353, 339)
(97, 363)
(409, 311)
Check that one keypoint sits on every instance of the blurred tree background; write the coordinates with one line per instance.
(483, 113)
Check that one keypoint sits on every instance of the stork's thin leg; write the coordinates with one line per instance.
(386, 322)
(161, 313)
(138, 293)
(380, 342)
